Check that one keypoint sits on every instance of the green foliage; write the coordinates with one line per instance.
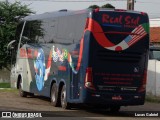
(12, 90)
(103, 6)
(153, 99)
(107, 6)
(10, 15)
(93, 6)
(4, 85)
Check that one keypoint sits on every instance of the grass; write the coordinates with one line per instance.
(153, 99)
(5, 85)
(8, 90)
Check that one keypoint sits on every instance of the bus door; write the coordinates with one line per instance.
(75, 85)
(75, 77)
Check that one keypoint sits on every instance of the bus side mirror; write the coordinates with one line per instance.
(9, 46)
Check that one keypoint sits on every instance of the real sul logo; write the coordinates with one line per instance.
(122, 20)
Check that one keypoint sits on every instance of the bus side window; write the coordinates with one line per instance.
(43, 31)
(79, 29)
(51, 30)
(33, 32)
(64, 34)
(37, 31)
(26, 34)
(18, 31)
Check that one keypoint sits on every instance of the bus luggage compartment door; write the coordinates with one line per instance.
(75, 85)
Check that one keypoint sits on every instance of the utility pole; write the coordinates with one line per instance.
(130, 4)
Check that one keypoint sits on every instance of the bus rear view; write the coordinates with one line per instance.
(117, 58)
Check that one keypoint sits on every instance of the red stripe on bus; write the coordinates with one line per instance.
(80, 55)
(62, 68)
(100, 37)
(49, 59)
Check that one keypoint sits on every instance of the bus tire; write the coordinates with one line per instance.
(21, 92)
(64, 103)
(115, 109)
(31, 94)
(54, 95)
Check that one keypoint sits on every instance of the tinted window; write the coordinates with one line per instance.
(70, 28)
(43, 31)
(33, 32)
(50, 30)
(67, 29)
(18, 31)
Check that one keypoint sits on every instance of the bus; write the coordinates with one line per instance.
(93, 57)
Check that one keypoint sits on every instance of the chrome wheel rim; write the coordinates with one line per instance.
(63, 97)
(53, 96)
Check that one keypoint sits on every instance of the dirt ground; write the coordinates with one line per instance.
(11, 101)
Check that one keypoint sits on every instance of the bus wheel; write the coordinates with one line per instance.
(21, 92)
(64, 103)
(54, 96)
(31, 94)
(114, 109)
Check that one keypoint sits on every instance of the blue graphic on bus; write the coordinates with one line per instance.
(39, 65)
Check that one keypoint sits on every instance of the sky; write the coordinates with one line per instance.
(152, 7)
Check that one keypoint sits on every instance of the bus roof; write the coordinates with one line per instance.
(65, 12)
(54, 14)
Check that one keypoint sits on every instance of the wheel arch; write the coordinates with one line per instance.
(52, 82)
(18, 80)
(61, 83)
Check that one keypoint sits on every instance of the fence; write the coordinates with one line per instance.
(153, 78)
(4, 76)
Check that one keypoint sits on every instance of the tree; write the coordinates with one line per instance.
(10, 15)
(93, 6)
(103, 6)
(107, 6)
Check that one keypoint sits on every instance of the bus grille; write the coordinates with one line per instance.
(102, 55)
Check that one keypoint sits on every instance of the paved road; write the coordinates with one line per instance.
(10, 101)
